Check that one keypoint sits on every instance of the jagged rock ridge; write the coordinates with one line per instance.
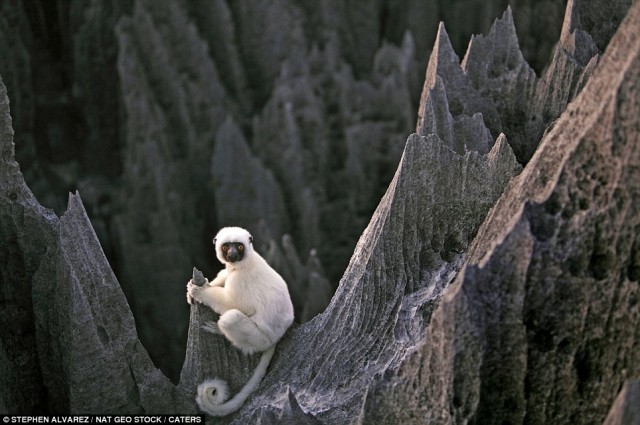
(67, 323)
(501, 92)
(194, 160)
(413, 247)
(27, 230)
(409, 252)
(541, 325)
(625, 409)
(126, 101)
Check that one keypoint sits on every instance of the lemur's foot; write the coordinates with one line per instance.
(211, 327)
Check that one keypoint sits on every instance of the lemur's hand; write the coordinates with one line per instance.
(193, 292)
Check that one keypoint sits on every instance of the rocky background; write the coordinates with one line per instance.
(174, 118)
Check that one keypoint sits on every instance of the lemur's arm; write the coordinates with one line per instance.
(215, 297)
(220, 279)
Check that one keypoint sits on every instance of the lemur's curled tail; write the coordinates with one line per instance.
(212, 393)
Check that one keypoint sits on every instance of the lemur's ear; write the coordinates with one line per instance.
(214, 241)
(250, 239)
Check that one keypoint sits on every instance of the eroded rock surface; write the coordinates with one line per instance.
(530, 317)
(411, 249)
(69, 342)
(127, 102)
(27, 230)
(542, 323)
(625, 409)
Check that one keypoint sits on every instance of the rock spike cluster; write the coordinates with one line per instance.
(479, 291)
(262, 148)
(522, 343)
(495, 81)
(134, 108)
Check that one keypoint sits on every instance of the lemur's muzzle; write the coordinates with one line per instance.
(233, 255)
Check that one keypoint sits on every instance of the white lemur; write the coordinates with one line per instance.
(255, 311)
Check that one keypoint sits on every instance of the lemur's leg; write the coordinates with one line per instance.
(243, 332)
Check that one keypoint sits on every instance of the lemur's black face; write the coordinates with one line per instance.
(233, 251)
(233, 244)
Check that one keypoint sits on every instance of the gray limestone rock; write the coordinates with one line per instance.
(321, 128)
(15, 68)
(538, 23)
(542, 323)
(126, 99)
(309, 287)
(463, 99)
(264, 46)
(625, 409)
(210, 355)
(539, 325)
(174, 104)
(490, 90)
(573, 61)
(412, 247)
(497, 69)
(197, 277)
(27, 230)
(68, 341)
(434, 116)
(504, 89)
(245, 191)
(94, 50)
(599, 19)
(218, 28)
(87, 343)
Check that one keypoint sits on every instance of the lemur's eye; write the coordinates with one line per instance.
(240, 247)
(224, 248)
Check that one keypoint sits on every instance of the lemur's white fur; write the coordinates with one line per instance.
(255, 311)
